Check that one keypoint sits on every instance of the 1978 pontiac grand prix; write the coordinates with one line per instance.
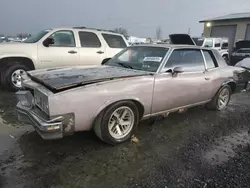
(139, 82)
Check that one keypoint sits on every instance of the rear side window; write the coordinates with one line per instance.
(210, 61)
(114, 41)
(89, 40)
(224, 45)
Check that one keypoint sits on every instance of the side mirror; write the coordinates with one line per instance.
(49, 41)
(178, 70)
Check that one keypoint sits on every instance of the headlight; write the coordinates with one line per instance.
(41, 100)
(25, 98)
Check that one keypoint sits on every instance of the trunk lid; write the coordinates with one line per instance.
(242, 44)
(182, 39)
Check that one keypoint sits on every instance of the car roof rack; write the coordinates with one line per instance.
(82, 27)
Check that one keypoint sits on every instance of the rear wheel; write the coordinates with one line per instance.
(12, 76)
(117, 123)
(221, 99)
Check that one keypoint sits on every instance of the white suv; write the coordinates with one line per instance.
(56, 48)
(220, 44)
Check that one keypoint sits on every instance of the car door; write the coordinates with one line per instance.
(183, 89)
(92, 51)
(212, 72)
(62, 53)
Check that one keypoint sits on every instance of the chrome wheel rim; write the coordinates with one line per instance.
(121, 122)
(16, 77)
(223, 98)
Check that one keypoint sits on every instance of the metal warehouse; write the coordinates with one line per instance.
(235, 27)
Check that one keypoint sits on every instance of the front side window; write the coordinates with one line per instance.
(210, 61)
(89, 40)
(140, 58)
(208, 43)
(63, 39)
(190, 60)
(114, 41)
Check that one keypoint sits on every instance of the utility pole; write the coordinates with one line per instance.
(189, 31)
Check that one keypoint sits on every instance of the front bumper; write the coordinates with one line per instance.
(243, 82)
(47, 128)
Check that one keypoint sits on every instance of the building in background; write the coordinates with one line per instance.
(235, 27)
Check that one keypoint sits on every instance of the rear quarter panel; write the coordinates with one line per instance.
(87, 102)
(223, 74)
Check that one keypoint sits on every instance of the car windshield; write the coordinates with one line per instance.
(243, 51)
(37, 37)
(143, 58)
(198, 41)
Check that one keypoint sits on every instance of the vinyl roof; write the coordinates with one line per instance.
(235, 16)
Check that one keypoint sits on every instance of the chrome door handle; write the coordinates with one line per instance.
(72, 52)
(100, 52)
(207, 78)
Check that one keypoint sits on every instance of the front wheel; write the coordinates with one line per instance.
(12, 76)
(117, 123)
(221, 99)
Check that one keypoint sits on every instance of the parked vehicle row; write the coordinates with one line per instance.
(55, 48)
(139, 82)
(220, 44)
(241, 51)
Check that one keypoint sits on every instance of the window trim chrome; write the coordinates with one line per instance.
(181, 48)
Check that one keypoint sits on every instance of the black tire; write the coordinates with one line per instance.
(214, 103)
(101, 122)
(7, 73)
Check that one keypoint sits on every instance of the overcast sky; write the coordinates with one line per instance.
(139, 17)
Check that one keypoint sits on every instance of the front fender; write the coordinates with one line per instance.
(224, 53)
(18, 55)
(114, 100)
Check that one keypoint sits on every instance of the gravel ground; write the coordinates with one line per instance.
(198, 148)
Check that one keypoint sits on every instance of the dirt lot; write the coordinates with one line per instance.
(199, 148)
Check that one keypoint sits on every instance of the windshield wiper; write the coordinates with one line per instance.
(125, 65)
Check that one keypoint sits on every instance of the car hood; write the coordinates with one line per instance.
(64, 78)
(242, 44)
(245, 63)
(16, 47)
(183, 39)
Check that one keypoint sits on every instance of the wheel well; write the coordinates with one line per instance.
(232, 86)
(137, 103)
(105, 60)
(5, 62)
(140, 108)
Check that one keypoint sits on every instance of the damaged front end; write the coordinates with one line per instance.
(33, 108)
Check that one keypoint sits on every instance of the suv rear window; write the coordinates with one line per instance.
(89, 40)
(114, 41)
